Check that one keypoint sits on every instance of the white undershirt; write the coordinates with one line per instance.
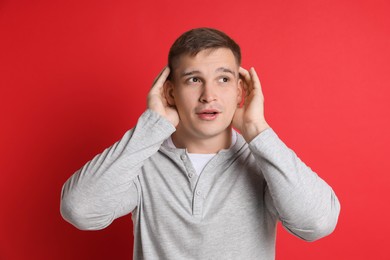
(199, 160)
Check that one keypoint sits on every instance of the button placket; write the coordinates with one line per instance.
(197, 199)
(198, 203)
(190, 171)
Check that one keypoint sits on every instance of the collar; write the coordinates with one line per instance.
(225, 154)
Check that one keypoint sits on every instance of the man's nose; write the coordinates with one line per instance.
(208, 93)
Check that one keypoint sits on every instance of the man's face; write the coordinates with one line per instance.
(206, 91)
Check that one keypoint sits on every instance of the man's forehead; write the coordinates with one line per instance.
(206, 61)
(209, 54)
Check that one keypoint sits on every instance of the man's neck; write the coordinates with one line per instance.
(202, 145)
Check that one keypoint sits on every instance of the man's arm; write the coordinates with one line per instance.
(305, 204)
(104, 188)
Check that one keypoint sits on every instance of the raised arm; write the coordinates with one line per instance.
(104, 189)
(305, 204)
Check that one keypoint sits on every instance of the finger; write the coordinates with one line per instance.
(161, 78)
(245, 74)
(255, 79)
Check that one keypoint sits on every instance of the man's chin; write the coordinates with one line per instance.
(213, 133)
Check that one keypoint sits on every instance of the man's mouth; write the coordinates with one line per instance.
(208, 114)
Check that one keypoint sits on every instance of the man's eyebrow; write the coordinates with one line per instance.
(224, 69)
(189, 73)
(194, 72)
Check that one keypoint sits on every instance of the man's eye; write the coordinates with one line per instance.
(193, 80)
(224, 79)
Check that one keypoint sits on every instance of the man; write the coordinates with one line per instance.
(196, 188)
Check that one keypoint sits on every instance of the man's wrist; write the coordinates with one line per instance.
(253, 130)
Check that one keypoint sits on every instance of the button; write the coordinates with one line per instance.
(198, 192)
(191, 175)
(183, 157)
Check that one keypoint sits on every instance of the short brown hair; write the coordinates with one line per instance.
(196, 40)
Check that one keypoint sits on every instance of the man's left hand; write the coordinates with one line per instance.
(249, 118)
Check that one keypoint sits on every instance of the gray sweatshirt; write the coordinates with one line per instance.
(229, 211)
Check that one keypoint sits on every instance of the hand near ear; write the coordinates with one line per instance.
(249, 118)
(157, 100)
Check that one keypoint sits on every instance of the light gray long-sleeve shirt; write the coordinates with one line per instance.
(229, 211)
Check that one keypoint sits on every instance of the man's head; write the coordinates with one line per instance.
(204, 86)
(199, 39)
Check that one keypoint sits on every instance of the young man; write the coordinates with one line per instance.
(196, 188)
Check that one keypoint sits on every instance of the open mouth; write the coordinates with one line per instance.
(208, 114)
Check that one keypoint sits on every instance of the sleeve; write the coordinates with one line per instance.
(305, 204)
(104, 189)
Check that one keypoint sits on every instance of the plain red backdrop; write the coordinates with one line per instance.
(74, 76)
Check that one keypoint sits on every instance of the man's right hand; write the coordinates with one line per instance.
(157, 101)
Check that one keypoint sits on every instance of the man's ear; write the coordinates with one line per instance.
(168, 93)
(240, 93)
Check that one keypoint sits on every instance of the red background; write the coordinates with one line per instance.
(74, 76)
